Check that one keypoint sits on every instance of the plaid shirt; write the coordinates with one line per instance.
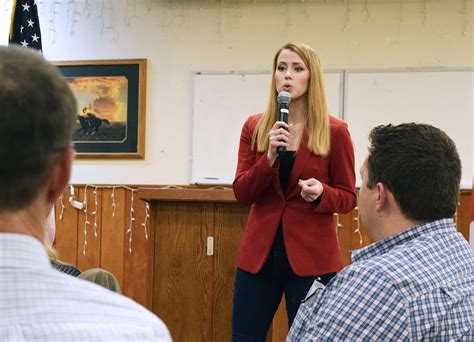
(414, 285)
(65, 268)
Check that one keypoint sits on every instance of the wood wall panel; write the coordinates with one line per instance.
(472, 203)
(113, 233)
(463, 216)
(344, 233)
(359, 236)
(182, 286)
(228, 223)
(279, 328)
(66, 231)
(138, 266)
(89, 257)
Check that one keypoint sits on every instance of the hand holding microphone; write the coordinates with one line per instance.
(284, 99)
(279, 136)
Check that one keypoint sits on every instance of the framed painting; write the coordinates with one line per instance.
(111, 95)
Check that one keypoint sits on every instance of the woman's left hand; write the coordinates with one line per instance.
(311, 189)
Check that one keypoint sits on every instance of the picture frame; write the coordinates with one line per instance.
(111, 96)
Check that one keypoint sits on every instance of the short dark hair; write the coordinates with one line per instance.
(420, 165)
(37, 121)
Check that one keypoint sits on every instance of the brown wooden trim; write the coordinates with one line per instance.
(187, 195)
(99, 62)
(141, 108)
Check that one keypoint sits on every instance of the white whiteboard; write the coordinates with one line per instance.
(442, 98)
(222, 102)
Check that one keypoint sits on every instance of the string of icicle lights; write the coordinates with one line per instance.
(91, 210)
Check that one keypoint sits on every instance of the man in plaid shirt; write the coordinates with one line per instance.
(416, 282)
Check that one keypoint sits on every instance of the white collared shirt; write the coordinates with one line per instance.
(38, 303)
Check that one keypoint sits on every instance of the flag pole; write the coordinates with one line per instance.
(12, 17)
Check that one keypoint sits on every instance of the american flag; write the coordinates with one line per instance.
(25, 27)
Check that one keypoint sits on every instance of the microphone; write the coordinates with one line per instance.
(284, 99)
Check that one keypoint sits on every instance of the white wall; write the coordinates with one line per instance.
(180, 37)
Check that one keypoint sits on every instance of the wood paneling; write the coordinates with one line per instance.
(463, 215)
(228, 222)
(472, 203)
(359, 237)
(113, 232)
(182, 270)
(138, 269)
(279, 328)
(344, 227)
(66, 230)
(88, 240)
(180, 194)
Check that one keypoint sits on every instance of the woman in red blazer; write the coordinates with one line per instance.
(289, 239)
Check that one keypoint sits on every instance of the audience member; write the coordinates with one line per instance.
(37, 303)
(416, 282)
(101, 277)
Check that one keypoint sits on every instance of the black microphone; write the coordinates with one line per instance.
(284, 99)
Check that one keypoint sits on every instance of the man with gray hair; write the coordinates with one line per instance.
(37, 111)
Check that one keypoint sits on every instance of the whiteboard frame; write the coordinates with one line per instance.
(192, 75)
(465, 184)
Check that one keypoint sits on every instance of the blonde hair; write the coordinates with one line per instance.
(316, 121)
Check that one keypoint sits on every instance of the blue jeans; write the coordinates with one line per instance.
(257, 296)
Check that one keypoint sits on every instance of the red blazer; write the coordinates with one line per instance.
(308, 229)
